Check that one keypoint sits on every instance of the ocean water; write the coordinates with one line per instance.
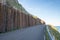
(58, 28)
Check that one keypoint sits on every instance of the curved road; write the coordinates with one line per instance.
(30, 33)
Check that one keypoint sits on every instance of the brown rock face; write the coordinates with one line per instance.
(2, 18)
(3, 1)
(12, 19)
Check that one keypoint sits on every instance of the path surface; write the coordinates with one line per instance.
(31, 33)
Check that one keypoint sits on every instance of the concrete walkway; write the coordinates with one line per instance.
(30, 33)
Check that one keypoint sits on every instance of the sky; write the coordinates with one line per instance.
(47, 10)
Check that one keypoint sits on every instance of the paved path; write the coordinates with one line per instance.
(31, 33)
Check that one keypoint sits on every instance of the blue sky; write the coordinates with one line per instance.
(47, 10)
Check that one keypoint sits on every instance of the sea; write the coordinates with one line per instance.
(58, 28)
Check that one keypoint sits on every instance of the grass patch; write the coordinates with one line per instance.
(55, 33)
(15, 4)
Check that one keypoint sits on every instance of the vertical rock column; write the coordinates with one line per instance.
(3, 1)
(15, 17)
(30, 20)
(12, 18)
(9, 19)
(21, 19)
(24, 20)
(27, 21)
(18, 19)
(34, 21)
(37, 21)
(2, 25)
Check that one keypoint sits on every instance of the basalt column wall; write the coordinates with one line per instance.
(11, 19)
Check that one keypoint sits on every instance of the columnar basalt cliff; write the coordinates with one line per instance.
(14, 16)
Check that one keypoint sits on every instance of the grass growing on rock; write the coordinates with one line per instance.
(54, 32)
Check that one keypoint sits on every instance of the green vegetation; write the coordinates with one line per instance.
(54, 32)
(15, 4)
